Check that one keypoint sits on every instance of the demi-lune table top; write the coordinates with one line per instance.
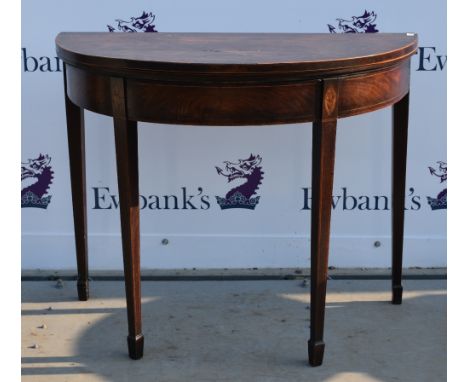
(231, 53)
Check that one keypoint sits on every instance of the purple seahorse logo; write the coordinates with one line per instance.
(144, 23)
(439, 202)
(357, 24)
(36, 178)
(247, 175)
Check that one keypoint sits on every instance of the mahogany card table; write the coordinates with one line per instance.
(218, 79)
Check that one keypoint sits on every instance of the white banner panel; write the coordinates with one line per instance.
(183, 223)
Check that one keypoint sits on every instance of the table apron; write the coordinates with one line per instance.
(239, 104)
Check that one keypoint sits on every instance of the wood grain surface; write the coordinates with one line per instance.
(215, 54)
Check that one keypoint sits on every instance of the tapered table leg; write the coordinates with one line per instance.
(126, 144)
(400, 143)
(76, 151)
(323, 159)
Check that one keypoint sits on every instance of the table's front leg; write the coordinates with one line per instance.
(400, 143)
(76, 151)
(126, 144)
(323, 159)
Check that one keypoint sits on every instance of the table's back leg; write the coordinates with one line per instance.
(400, 142)
(323, 159)
(126, 144)
(76, 150)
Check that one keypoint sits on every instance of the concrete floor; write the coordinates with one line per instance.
(234, 331)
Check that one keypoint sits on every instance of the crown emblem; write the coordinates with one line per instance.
(237, 200)
(30, 199)
(437, 204)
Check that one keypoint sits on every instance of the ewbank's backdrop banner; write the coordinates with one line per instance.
(191, 216)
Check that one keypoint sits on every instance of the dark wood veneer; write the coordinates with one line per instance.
(223, 79)
(170, 56)
(222, 105)
(238, 104)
